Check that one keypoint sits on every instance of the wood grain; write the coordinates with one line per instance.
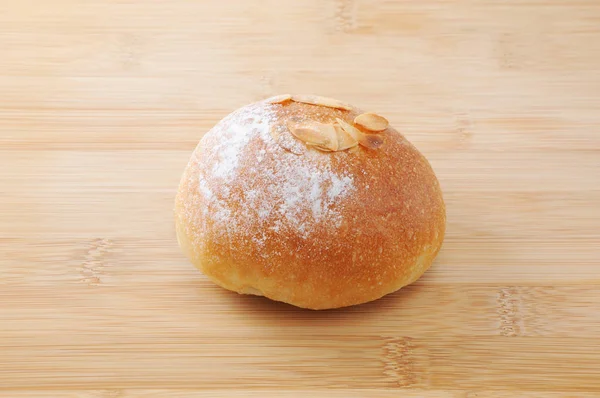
(102, 102)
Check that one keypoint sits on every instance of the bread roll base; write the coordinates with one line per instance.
(260, 212)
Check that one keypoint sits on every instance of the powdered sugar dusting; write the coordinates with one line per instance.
(338, 186)
(204, 189)
(231, 145)
(254, 187)
(307, 186)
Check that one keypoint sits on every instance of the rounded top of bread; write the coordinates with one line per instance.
(263, 211)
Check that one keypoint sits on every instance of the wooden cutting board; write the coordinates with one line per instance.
(103, 101)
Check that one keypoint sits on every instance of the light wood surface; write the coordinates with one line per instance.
(103, 101)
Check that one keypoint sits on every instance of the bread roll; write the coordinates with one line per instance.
(309, 201)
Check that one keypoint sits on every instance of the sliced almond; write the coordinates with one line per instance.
(278, 99)
(371, 141)
(308, 133)
(315, 133)
(322, 101)
(372, 121)
(344, 139)
(329, 131)
(350, 129)
(319, 147)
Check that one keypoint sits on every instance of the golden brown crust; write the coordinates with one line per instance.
(260, 212)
